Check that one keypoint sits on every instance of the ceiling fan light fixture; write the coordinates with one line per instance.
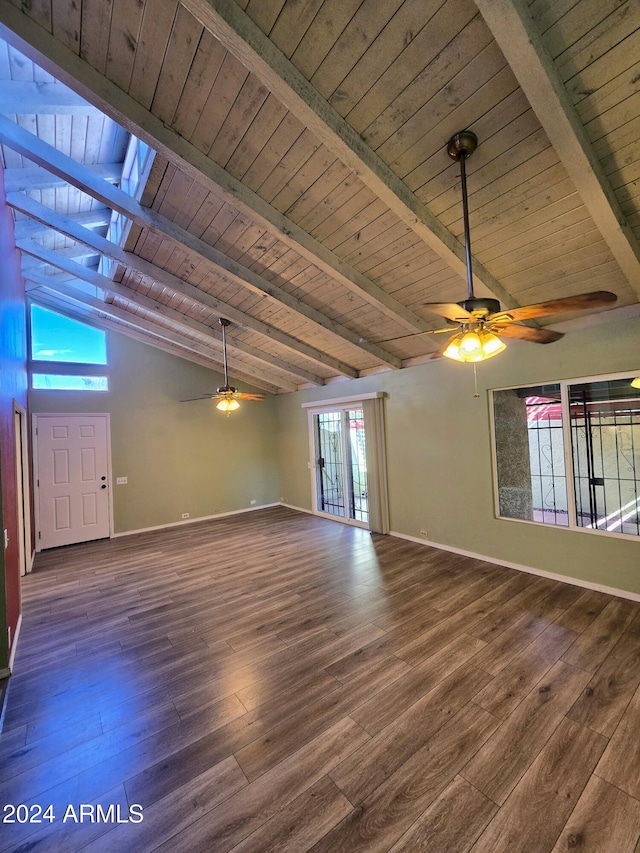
(452, 349)
(464, 346)
(491, 345)
(227, 404)
(473, 345)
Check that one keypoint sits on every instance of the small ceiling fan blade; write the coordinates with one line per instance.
(581, 302)
(525, 333)
(204, 397)
(242, 396)
(450, 310)
(404, 337)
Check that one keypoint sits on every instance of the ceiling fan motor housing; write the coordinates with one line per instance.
(480, 307)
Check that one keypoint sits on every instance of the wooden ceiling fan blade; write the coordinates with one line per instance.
(243, 396)
(450, 310)
(581, 302)
(525, 333)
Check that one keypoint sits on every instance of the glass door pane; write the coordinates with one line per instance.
(329, 458)
(341, 467)
(359, 506)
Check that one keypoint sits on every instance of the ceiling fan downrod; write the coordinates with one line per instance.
(224, 323)
(460, 147)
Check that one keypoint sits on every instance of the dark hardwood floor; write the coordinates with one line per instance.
(278, 682)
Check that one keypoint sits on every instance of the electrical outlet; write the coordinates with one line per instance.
(121, 481)
(185, 515)
(424, 533)
(252, 503)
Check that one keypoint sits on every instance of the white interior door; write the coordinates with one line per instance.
(72, 477)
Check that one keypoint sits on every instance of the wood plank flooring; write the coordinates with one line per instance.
(278, 682)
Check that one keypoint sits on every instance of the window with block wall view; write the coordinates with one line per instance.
(568, 454)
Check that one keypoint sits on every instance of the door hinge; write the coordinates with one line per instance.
(38, 483)
(39, 535)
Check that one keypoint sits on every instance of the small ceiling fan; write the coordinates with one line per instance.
(480, 321)
(227, 396)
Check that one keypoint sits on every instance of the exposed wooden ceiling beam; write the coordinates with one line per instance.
(37, 178)
(64, 225)
(19, 30)
(523, 46)
(92, 219)
(47, 156)
(79, 297)
(106, 285)
(79, 252)
(245, 40)
(29, 98)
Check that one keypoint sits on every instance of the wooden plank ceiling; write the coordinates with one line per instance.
(299, 183)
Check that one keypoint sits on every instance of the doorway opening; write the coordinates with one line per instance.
(73, 476)
(341, 464)
(23, 488)
(347, 460)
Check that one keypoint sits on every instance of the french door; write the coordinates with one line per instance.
(340, 465)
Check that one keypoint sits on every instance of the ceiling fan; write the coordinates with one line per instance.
(480, 321)
(227, 396)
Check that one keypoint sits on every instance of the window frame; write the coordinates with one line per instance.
(65, 368)
(564, 384)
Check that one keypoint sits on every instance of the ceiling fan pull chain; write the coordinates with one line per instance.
(475, 381)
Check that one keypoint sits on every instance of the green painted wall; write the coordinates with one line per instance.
(178, 457)
(439, 453)
(190, 458)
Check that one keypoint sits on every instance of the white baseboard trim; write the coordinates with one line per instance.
(14, 646)
(192, 520)
(609, 590)
(297, 508)
(598, 587)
